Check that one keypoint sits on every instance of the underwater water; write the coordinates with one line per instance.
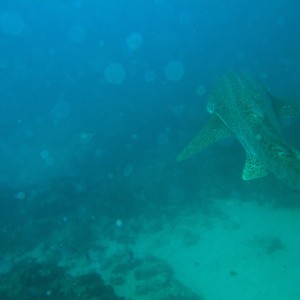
(97, 99)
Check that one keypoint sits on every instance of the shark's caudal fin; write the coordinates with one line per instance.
(213, 131)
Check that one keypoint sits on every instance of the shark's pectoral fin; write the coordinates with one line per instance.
(213, 131)
(253, 168)
(285, 108)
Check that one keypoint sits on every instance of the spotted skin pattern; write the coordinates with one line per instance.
(241, 106)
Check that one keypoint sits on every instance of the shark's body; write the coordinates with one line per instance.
(242, 107)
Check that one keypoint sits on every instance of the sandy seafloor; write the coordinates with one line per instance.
(236, 250)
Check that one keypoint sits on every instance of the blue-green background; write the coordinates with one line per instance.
(53, 92)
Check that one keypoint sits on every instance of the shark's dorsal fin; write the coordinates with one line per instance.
(213, 131)
(253, 168)
(285, 108)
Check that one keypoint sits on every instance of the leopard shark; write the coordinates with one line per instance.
(241, 106)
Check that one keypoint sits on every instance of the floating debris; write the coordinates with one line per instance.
(174, 70)
(114, 74)
(134, 41)
(200, 90)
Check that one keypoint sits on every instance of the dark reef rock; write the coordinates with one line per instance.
(34, 281)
